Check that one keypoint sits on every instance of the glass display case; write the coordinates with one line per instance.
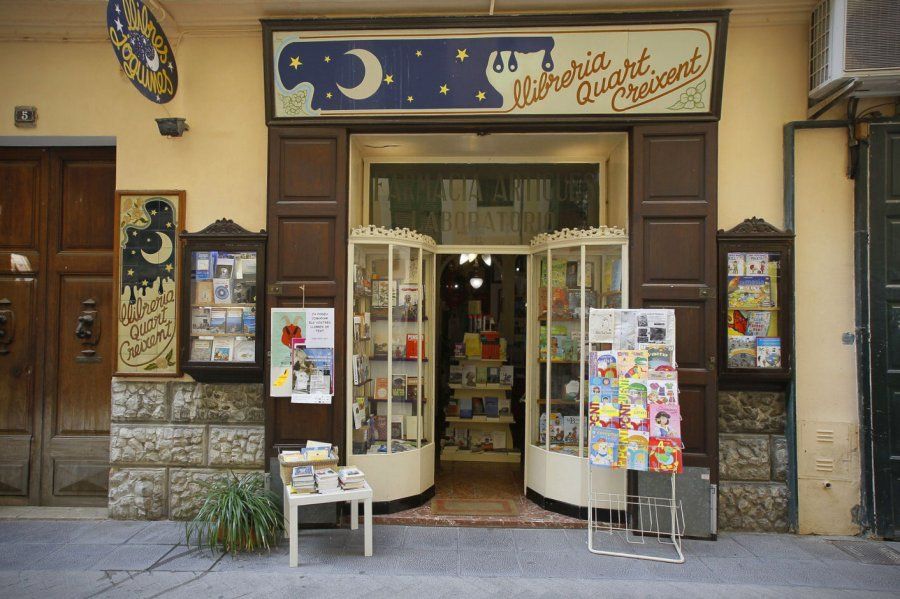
(570, 272)
(390, 381)
(756, 295)
(222, 303)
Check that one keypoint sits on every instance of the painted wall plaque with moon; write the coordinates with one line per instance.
(147, 266)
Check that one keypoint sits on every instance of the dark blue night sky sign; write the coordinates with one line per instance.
(403, 74)
(143, 51)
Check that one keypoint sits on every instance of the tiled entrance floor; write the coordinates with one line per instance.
(479, 480)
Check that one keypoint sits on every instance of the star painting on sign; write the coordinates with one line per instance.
(147, 292)
(570, 70)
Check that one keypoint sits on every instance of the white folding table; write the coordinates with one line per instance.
(292, 501)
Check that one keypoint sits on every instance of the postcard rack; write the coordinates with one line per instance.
(651, 527)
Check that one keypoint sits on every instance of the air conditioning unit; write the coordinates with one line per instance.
(855, 39)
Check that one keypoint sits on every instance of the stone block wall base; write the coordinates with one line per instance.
(168, 438)
(755, 507)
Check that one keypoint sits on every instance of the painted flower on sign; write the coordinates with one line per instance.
(691, 98)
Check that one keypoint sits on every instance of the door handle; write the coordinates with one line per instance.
(87, 330)
(7, 325)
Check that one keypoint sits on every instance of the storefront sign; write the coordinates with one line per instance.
(147, 271)
(142, 49)
(665, 69)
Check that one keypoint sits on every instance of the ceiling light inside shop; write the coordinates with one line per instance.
(476, 282)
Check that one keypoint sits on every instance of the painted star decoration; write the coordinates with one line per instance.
(418, 53)
(409, 99)
(295, 62)
(444, 89)
(327, 59)
(388, 79)
(462, 55)
(328, 95)
(480, 96)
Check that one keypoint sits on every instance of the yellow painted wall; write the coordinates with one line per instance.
(79, 90)
(221, 162)
(827, 399)
(765, 87)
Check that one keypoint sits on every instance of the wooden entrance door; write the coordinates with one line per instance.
(307, 225)
(884, 280)
(673, 265)
(56, 207)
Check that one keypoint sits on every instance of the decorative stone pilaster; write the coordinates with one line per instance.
(217, 403)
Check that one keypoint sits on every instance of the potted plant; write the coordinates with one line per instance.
(238, 514)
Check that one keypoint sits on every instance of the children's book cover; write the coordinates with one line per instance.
(659, 357)
(609, 389)
(637, 451)
(662, 391)
(606, 365)
(741, 351)
(666, 455)
(737, 322)
(381, 388)
(665, 420)
(735, 264)
(608, 415)
(632, 392)
(758, 322)
(632, 364)
(557, 431)
(756, 264)
(633, 418)
(749, 292)
(570, 430)
(768, 352)
(604, 447)
(594, 390)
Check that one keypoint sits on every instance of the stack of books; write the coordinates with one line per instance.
(327, 481)
(351, 478)
(303, 479)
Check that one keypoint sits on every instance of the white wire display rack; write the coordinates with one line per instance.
(653, 525)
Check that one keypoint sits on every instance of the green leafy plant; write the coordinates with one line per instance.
(238, 514)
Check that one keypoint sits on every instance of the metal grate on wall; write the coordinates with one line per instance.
(819, 33)
(873, 35)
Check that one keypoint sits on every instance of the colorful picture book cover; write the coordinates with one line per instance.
(594, 390)
(665, 420)
(633, 418)
(604, 447)
(632, 392)
(735, 264)
(756, 264)
(749, 292)
(608, 415)
(609, 389)
(659, 357)
(662, 391)
(632, 364)
(637, 451)
(666, 455)
(606, 365)
(741, 351)
(768, 352)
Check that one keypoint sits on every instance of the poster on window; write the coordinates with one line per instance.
(302, 354)
(147, 273)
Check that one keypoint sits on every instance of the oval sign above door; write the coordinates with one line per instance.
(142, 49)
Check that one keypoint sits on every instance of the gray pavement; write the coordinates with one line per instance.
(62, 558)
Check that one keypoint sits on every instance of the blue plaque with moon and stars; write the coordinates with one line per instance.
(143, 51)
(607, 70)
(147, 271)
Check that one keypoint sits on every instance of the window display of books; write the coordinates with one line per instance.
(223, 306)
(389, 362)
(753, 338)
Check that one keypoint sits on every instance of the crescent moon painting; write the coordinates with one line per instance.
(372, 74)
(147, 268)
(163, 253)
